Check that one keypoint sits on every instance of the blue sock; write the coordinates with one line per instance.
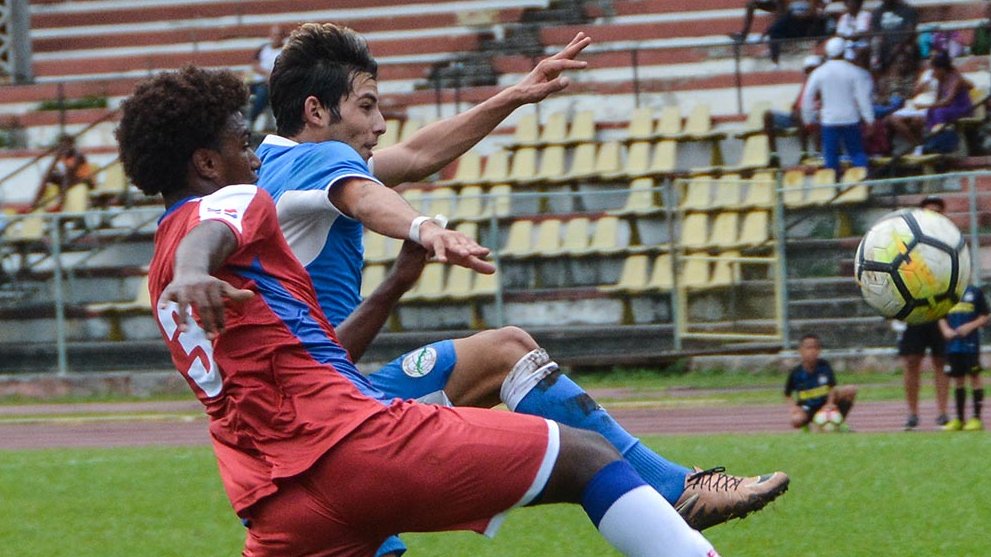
(606, 486)
(558, 398)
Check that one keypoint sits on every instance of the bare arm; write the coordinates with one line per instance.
(947, 331)
(384, 211)
(200, 253)
(363, 325)
(436, 145)
(971, 326)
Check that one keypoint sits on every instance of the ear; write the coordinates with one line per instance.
(314, 112)
(205, 162)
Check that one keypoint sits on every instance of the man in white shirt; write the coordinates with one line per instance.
(844, 90)
(262, 68)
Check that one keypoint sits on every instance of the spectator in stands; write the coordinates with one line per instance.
(328, 186)
(895, 21)
(801, 18)
(777, 7)
(845, 92)
(777, 121)
(853, 25)
(69, 168)
(913, 341)
(261, 67)
(952, 101)
(811, 386)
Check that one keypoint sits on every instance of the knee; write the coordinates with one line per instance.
(513, 340)
(583, 453)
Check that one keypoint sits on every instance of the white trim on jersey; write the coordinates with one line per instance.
(228, 204)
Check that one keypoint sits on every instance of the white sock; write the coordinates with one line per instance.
(642, 524)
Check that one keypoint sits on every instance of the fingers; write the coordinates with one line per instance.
(209, 298)
(577, 44)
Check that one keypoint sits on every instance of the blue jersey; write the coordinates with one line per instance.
(811, 389)
(972, 305)
(328, 243)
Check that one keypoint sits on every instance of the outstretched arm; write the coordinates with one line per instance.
(365, 322)
(436, 145)
(200, 253)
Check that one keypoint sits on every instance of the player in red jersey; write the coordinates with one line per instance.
(306, 449)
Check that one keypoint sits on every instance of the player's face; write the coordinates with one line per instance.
(238, 161)
(809, 350)
(361, 121)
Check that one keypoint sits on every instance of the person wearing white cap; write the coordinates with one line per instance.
(844, 90)
(779, 120)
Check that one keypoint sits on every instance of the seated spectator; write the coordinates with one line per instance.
(952, 101)
(801, 18)
(67, 169)
(811, 386)
(895, 23)
(853, 25)
(776, 121)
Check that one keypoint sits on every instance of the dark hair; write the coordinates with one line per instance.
(170, 116)
(812, 336)
(942, 60)
(319, 60)
(933, 200)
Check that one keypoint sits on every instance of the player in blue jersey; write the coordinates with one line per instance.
(962, 329)
(328, 187)
(811, 386)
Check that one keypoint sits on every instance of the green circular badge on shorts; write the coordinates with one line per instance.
(420, 362)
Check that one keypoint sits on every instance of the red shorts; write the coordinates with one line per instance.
(415, 468)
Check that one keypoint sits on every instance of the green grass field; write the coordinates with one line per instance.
(918, 494)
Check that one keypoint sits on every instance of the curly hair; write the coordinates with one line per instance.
(170, 116)
(319, 60)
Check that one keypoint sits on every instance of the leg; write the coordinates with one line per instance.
(913, 362)
(942, 381)
(799, 417)
(831, 148)
(845, 395)
(853, 144)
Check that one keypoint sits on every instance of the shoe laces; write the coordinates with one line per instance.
(714, 479)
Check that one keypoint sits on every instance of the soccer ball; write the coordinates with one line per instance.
(827, 420)
(912, 265)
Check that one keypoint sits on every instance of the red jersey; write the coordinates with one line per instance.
(278, 387)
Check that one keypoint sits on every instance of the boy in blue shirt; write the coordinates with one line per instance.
(811, 386)
(961, 327)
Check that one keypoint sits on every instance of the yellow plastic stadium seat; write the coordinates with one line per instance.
(76, 199)
(551, 164)
(608, 160)
(371, 277)
(729, 192)
(140, 303)
(379, 248)
(524, 165)
(695, 231)
(756, 153)
(469, 204)
(496, 168)
(469, 170)
(576, 236)
(760, 191)
(414, 196)
(669, 123)
(548, 238)
(519, 242)
(637, 159)
(605, 239)
(500, 201)
(823, 188)
(527, 130)
(661, 276)
(642, 199)
(632, 277)
(113, 184)
(698, 125)
(724, 229)
(555, 129)
(696, 193)
(582, 162)
(469, 229)
(410, 127)
(51, 196)
(793, 184)
(431, 283)
(485, 285)
(440, 201)
(459, 281)
(29, 229)
(853, 191)
(755, 229)
(755, 119)
(725, 271)
(582, 127)
(694, 273)
(641, 125)
(391, 135)
(665, 160)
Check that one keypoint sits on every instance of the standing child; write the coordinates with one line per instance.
(961, 327)
(811, 386)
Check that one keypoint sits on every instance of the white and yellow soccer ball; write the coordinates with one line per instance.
(912, 265)
(827, 420)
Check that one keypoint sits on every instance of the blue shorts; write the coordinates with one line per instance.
(783, 120)
(418, 373)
